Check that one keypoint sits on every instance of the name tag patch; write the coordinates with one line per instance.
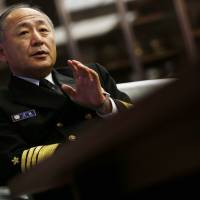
(23, 115)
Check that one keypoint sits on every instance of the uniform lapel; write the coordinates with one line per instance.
(27, 93)
(63, 77)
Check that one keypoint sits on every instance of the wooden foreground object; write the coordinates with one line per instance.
(155, 144)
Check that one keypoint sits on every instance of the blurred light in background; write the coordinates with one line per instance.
(91, 27)
(75, 5)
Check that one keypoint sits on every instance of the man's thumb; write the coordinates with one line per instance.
(68, 90)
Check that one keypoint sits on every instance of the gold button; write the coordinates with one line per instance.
(72, 137)
(59, 125)
(88, 116)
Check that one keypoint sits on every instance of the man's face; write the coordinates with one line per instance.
(29, 43)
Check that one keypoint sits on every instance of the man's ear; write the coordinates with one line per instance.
(2, 54)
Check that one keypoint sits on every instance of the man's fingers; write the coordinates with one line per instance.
(68, 90)
(86, 70)
(82, 72)
(73, 68)
(78, 69)
(77, 62)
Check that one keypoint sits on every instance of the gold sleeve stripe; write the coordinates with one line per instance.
(23, 160)
(32, 156)
(46, 151)
(127, 105)
(39, 153)
(29, 157)
(35, 155)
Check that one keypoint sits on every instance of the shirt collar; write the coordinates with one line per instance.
(36, 81)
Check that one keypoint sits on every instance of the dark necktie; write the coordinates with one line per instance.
(48, 85)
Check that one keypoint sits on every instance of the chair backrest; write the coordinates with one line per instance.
(139, 89)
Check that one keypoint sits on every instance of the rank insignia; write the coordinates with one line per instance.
(23, 115)
(15, 160)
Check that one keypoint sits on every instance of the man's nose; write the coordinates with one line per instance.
(36, 38)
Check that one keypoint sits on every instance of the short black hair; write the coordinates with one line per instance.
(10, 9)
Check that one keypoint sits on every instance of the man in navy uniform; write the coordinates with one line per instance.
(45, 107)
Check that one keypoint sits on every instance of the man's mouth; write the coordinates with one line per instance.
(39, 54)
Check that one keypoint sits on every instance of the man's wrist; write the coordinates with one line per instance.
(106, 106)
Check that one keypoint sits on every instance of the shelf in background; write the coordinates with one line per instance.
(155, 17)
(146, 59)
(155, 57)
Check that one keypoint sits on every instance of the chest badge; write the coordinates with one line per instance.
(23, 115)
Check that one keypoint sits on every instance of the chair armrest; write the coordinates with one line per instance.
(139, 89)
